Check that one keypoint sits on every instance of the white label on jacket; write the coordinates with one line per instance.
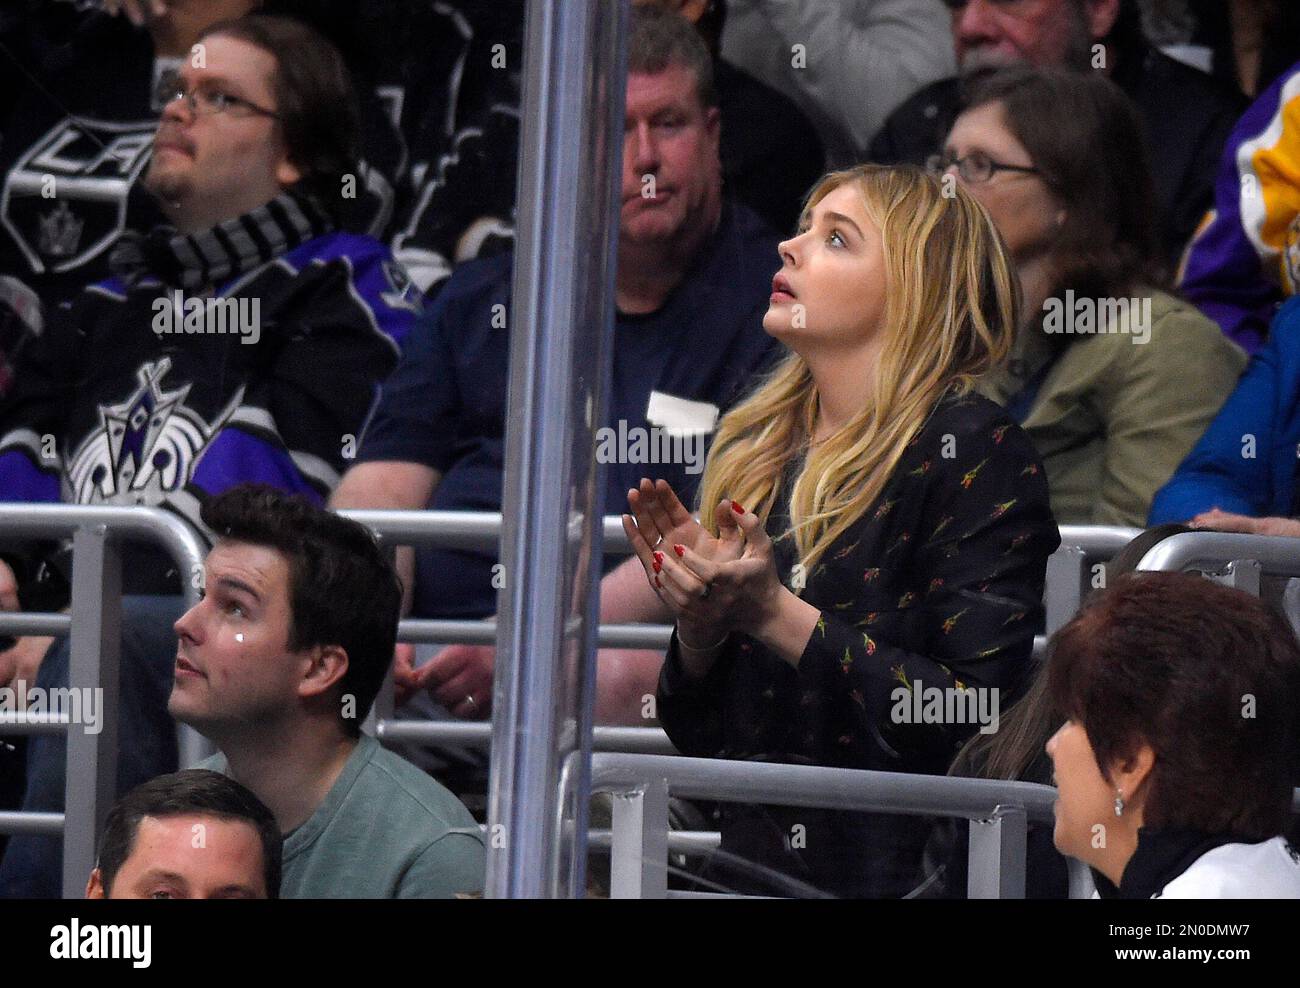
(680, 416)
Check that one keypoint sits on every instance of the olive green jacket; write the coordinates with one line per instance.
(1119, 410)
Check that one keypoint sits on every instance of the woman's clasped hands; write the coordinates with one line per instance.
(714, 586)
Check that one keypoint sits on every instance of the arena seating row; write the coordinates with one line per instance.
(633, 764)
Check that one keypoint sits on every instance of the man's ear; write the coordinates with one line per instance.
(329, 664)
(287, 173)
(713, 124)
(1100, 16)
(95, 886)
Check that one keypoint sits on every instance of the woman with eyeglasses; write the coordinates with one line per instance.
(1112, 377)
(873, 535)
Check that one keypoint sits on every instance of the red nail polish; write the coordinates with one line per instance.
(737, 508)
(659, 557)
(656, 565)
(680, 550)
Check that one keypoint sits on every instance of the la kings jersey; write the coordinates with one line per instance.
(78, 140)
(122, 401)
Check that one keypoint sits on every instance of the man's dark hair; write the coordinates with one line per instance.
(315, 100)
(659, 39)
(342, 589)
(197, 792)
(1087, 139)
(1209, 677)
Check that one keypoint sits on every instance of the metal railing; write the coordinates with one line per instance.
(95, 612)
(1231, 558)
(478, 734)
(1070, 573)
(1069, 578)
(480, 531)
(94, 628)
(1235, 560)
(999, 812)
(639, 840)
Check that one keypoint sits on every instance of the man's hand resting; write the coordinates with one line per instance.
(460, 678)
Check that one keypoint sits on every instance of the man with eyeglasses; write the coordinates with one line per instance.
(87, 90)
(245, 340)
(81, 87)
(206, 170)
(1187, 113)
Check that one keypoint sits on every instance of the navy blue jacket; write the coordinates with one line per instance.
(445, 405)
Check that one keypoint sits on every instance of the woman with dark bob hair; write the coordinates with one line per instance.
(1181, 741)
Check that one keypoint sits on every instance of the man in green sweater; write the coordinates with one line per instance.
(279, 664)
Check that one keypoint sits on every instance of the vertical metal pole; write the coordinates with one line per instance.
(638, 854)
(1067, 572)
(92, 758)
(560, 337)
(996, 861)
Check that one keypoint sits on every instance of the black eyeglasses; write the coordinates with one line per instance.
(973, 168)
(206, 102)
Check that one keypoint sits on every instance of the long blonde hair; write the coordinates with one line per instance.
(952, 301)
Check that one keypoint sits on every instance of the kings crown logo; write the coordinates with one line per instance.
(144, 448)
(60, 232)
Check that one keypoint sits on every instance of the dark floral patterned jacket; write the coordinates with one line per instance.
(938, 585)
